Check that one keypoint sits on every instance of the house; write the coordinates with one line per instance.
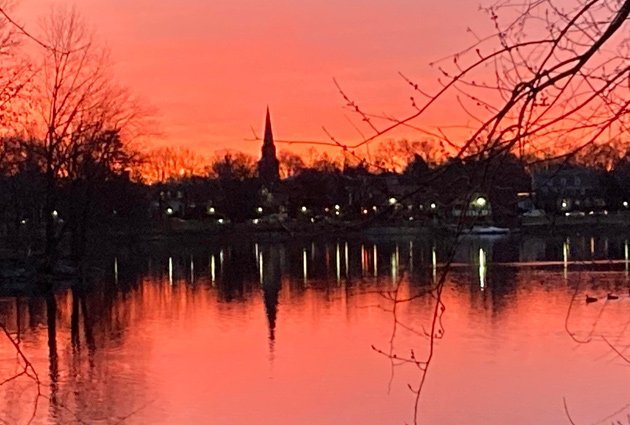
(568, 188)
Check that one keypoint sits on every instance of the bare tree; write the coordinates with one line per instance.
(163, 164)
(548, 83)
(395, 155)
(233, 166)
(81, 115)
(15, 72)
(290, 164)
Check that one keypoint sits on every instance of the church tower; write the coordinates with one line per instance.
(268, 166)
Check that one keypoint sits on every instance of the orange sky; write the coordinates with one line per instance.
(209, 67)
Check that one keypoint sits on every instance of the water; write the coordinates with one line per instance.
(294, 332)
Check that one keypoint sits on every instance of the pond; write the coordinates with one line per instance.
(329, 332)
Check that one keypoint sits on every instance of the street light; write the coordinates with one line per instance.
(392, 201)
(481, 202)
(259, 210)
(169, 211)
(433, 205)
(303, 209)
(211, 210)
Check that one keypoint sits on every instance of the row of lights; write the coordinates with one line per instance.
(565, 204)
(480, 202)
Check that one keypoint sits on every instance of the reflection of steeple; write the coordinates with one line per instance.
(268, 166)
(271, 288)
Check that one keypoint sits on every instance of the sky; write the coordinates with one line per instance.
(209, 68)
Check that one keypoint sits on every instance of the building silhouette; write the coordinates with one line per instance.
(268, 166)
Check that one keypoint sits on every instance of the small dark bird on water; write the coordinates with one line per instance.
(612, 297)
(590, 299)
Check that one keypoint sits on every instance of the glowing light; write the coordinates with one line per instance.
(433, 205)
(375, 260)
(338, 263)
(170, 270)
(116, 270)
(303, 209)
(482, 269)
(192, 270)
(211, 210)
(434, 263)
(304, 265)
(481, 202)
(255, 221)
(625, 204)
(220, 221)
(625, 255)
(337, 207)
(213, 274)
(55, 214)
(394, 268)
(259, 210)
(392, 201)
(260, 267)
(169, 211)
(23, 221)
(364, 260)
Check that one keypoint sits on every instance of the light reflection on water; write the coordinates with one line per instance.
(213, 334)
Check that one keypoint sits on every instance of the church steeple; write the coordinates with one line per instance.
(268, 166)
(268, 134)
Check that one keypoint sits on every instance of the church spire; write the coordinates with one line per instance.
(268, 133)
(268, 166)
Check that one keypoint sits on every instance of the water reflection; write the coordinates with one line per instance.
(192, 339)
(482, 269)
(271, 284)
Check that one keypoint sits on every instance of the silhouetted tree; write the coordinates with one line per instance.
(233, 166)
(82, 118)
(290, 164)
